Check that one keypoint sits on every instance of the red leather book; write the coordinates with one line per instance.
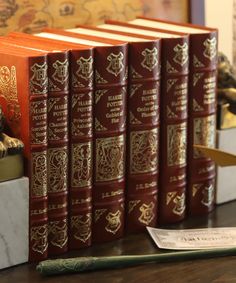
(23, 97)
(173, 119)
(202, 112)
(109, 132)
(58, 92)
(142, 126)
(80, 139)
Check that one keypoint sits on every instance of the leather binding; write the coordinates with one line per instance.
(80, 139)
(23, 97)
(202, 117)
(111, 72)
(142, 128)
(58, 93)
(173, 123)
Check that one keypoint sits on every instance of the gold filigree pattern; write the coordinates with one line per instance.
(110, 158)
(195, 189)
(143, 151)
(114, 222)
(181, 54)
(176, 144)
(116, 65)
(170, 83)
(125, 78)
(170, 69)
(39, 174)
(170, 196)
(196, 78)
(204, 133)
(81, 158)
(57, 233)
(39, 238)
(147, 213)
(196, 62)
(134, 73)
(99, 213)
(39, 79)
(99, 94)
(150, 58)
(75, 99)
(81, 225)
(99, 79)
(169, 113)
(210, 48)
(196, 106)
(133, 120)
(75, 82)
(99, 126)
(8, 90)
(132, 204)
(57, 169)
(52, 86)
(133, 89)
(208, 195)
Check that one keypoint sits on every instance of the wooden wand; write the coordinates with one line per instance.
(81, 264)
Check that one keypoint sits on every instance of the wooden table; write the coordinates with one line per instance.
(216, 270)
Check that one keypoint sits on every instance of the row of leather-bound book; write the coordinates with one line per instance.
(109, 116)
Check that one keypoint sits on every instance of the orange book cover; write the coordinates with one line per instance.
(23, 97)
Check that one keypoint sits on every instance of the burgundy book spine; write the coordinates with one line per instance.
(111, 73)
(173, 141)
(81, 141)
(23, 97)
(58, 76)
(37, 164)
(202, 121)
(143, 135)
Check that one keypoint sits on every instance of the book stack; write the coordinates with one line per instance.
(109, 116)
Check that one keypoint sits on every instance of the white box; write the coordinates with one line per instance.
(226, 176)
(14, 222)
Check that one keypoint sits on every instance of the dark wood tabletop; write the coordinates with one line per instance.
(216, 270)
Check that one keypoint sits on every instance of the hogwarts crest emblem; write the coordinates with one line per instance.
(179, 202)
(82, 227)
(147, 213)
(39, 77)
(58, 233)
(61, 73)
(208, 195)
(210, 48)
(116, 64)
(114, 222)
(181, 54)
(150, 58)
(85, 70)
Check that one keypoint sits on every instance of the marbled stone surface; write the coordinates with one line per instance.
(14, 222)
(226, 181)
